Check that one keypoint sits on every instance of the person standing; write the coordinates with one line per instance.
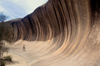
(24, 47)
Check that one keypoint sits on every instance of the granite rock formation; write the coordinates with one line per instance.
(61, 33)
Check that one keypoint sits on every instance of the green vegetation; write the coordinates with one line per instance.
(2, 62)
(3, 49)
(2, 17)
(8, 58)
(6, 31)
(6, 34)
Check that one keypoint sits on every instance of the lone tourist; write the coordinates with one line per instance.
(24, 47)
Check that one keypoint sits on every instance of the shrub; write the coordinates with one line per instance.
(2, 63)
(8, 58)
(6, 31)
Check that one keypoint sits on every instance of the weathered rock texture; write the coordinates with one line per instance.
(61, 33)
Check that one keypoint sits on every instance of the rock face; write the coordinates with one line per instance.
(68, 29)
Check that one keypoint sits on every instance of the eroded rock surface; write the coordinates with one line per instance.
(60, 33)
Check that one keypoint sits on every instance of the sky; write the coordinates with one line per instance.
(19, 8)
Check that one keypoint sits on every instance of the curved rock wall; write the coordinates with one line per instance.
(70, 32)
